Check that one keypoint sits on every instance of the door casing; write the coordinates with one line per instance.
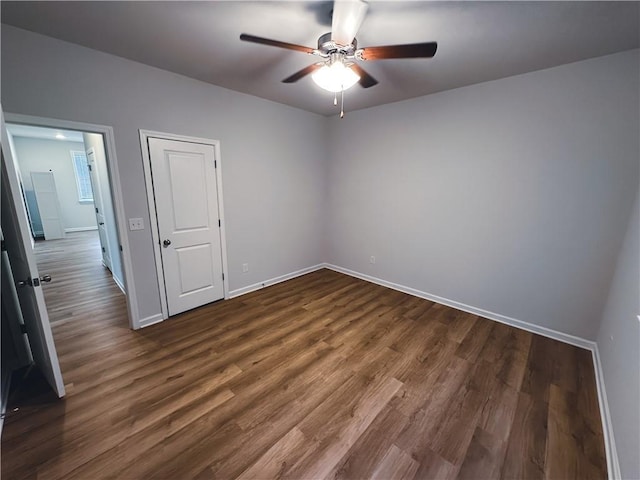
(144, 136)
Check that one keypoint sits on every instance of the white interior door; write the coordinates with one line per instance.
(186, 198)
(99, 207)
(44, 187)
(25, 273)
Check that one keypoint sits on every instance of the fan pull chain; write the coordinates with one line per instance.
(335, 99)
(342, 104)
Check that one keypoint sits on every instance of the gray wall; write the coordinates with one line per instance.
(619, 347)
(511, 196)
(272, 155)
(41, 155)
(96, 141)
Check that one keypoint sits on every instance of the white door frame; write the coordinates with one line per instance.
(116, 194)
(144, 146)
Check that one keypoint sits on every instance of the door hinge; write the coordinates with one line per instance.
(89, 167)
(215, 164)
(120, 247)
(4, 246)
(23, 328)
(103, 250)
(223, 276)
(96, 209)
(219, 223)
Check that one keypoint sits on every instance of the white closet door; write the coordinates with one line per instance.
(186, 197)
(44, 187)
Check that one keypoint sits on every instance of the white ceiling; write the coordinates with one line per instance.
(477, 41)
(43, 133)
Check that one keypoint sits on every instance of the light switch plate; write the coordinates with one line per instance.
(136, 224)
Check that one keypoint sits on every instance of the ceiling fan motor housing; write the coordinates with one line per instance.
(326, 47)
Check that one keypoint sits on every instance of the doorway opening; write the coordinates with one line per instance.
(64, 219)
(65, 185)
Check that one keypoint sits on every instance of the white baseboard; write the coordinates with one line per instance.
(273, 281)
(153, 319)
(79, 229)
(119, 284)
(529, 327)
(613, 465)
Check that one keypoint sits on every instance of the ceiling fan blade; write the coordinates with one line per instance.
(275, 43)
(302, 73)
(347, 18)
(366, 80)
(412, 50)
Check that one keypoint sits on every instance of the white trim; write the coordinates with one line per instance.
(79, 229)
(223, 226)
(152, 320)
(272, 281)
(613, 463)
(116, 194)
(119, 284)
(529, 327)
(155, 235)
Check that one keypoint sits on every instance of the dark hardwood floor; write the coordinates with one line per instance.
(323, 376)
(81, 285)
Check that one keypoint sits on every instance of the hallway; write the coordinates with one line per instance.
(87, 310)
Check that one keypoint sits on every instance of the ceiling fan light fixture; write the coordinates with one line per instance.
(336, 77)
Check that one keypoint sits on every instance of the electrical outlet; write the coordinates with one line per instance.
(245, 267)
(372, 259)
(136, 224)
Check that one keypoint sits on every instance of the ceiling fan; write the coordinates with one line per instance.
(339, 51)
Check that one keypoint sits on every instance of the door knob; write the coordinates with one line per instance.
(166, 243)
(101, 223)
(45, 278)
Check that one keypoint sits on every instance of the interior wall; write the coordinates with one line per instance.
(42, 155)
(510, 196)
(96, 141)
(273, 157)
(619, 348)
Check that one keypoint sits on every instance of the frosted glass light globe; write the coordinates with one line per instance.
(335, 77)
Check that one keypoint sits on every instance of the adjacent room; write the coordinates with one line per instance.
(320, 239)
(65, 183)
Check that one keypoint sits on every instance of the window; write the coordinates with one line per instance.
(83, 181)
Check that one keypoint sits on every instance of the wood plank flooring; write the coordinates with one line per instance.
(81, 285)
(323, 376)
